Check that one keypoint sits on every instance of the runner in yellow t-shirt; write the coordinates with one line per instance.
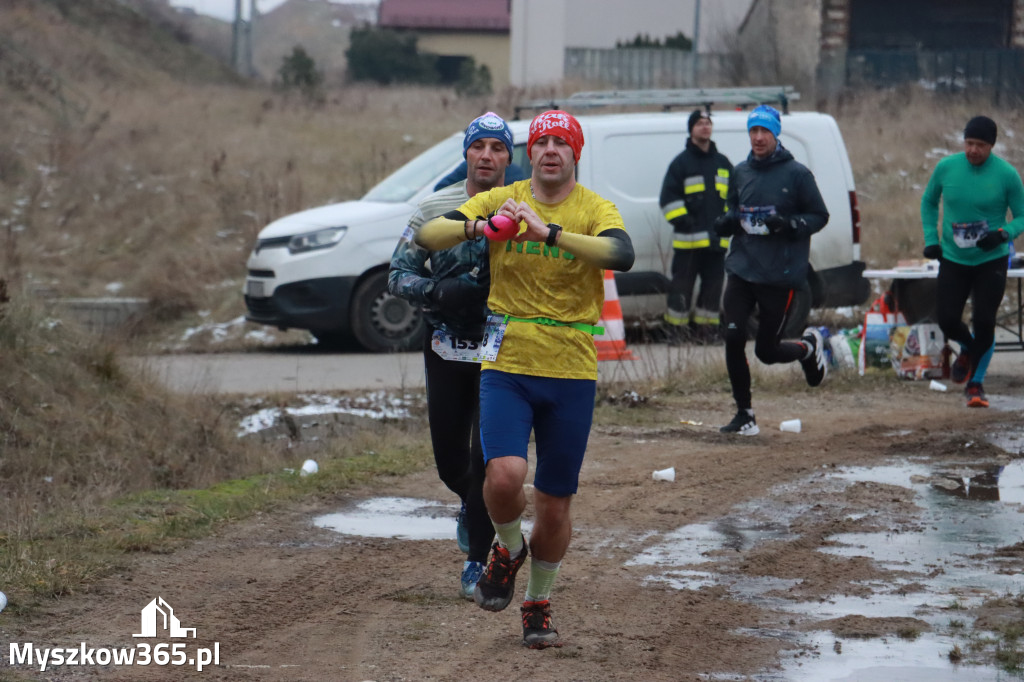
(540, 364)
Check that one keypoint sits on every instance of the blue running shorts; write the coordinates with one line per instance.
(560, 413)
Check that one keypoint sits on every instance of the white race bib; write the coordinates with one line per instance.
(752, 218)
(966, 235)
(494, 334)
(450, 347)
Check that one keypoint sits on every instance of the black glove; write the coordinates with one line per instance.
(993, 239)
(933, 251)
(727, 225)
(457, 294)
(776, 224)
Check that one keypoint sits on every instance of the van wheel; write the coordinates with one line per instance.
(797, 321)
(382, 322)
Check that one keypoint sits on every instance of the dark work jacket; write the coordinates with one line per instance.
(693, 195)
(780, 185)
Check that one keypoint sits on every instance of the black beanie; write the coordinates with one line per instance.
(981, 128)
(697, 115)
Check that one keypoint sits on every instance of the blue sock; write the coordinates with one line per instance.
(979, 371)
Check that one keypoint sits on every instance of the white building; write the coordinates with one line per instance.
(541, 30)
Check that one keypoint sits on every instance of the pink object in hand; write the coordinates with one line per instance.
(501, 228)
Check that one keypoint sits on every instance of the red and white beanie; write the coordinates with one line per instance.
(560, 124)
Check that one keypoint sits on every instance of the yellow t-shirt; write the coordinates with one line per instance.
(531, 280)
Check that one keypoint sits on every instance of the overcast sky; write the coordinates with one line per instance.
(225, 9)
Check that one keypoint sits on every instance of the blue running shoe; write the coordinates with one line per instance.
(471, 572)
(462, 530)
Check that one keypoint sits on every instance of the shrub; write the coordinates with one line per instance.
(385, 56)
(473, 80)
(676, 42)
(298, 70)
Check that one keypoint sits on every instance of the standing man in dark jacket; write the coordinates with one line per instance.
(693, 196)
(774, 208)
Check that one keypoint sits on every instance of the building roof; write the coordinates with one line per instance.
(451, 15)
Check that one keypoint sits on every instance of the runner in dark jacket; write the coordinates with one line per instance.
(774, 208)
(452, 286)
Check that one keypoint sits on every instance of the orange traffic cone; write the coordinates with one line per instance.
(611, 345)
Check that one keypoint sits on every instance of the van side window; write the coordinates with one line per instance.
(520, 159)
(638, 181)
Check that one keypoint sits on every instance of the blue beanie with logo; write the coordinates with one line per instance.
(767, 117)
(488, 125)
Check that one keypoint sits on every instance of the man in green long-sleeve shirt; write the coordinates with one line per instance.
(976, 188)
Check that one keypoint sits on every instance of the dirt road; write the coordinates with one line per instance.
(306, 368)
(283, 599)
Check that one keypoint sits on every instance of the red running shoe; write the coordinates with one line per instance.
(538, 630)
(495, 588)
(976, 395)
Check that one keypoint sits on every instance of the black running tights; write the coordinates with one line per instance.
(773, 306)
(453, 408)
(985, 284)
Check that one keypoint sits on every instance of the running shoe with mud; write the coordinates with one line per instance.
(976, 395)
(496, 586)
(814, 365)
(538, 630)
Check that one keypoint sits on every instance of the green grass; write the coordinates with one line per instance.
(997, 640)
(67, 553)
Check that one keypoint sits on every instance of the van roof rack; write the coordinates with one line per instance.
(668, 99)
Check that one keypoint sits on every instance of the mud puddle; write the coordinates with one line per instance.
(394, 517)
(935, 557)
(404, 518)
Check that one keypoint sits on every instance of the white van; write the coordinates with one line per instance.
(325, 269)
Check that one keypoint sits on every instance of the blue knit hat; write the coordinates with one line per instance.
(488, 125)
(767, 117)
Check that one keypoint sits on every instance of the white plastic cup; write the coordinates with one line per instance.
(937, 385)
(790, 425)
(665, 474)
(308, 467)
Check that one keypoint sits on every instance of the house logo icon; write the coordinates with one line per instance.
(159, 612)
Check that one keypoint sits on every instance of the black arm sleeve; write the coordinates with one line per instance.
(622, 256)
(455, 215)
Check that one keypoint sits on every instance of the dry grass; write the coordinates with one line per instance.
(76, 429)
(164, 192)
(159, 188)
(97, 461)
